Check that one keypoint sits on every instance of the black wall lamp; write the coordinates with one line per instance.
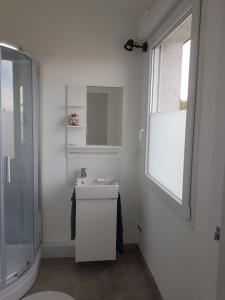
(130, 44)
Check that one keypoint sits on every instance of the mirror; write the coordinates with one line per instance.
(104, 115)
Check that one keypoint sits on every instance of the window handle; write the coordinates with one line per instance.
(217, 234)
(8, 169)
(140, 134)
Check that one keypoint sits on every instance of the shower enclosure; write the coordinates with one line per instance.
(20, 232)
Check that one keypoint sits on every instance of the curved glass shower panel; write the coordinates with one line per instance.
(17, 131)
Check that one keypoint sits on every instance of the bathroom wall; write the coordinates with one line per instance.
(183, 256)
(220, 149)
(77, 43)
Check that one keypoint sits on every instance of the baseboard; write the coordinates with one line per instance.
(155, 286)
(57, 250)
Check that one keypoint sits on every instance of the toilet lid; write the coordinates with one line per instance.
(49, 295)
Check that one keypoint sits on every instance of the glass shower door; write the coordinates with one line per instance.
(36, 154)
(17, 139)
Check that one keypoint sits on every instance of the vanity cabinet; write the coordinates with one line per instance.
(95, 229)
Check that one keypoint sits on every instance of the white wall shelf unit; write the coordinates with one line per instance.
(76, 143)
(76, 102)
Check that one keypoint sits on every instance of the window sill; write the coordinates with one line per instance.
(180, 208)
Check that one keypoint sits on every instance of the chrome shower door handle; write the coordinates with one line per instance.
(8, 169)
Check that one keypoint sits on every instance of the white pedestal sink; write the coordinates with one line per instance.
(96, 188)
(96, 215)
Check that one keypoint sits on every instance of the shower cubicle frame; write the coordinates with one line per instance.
(15, 288)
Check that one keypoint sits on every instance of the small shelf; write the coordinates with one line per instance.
(94, 149)
(76, 102)
(76, 105)
(90, 147)
(76, 127)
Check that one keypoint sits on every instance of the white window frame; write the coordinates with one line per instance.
(168, 26)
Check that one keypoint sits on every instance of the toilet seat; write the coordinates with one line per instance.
(48, 295)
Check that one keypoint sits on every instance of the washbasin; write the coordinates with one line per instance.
(96, 188)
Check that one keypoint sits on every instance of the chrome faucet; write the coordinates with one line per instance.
(83, 172)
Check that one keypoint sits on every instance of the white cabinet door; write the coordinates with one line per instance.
(96, 230)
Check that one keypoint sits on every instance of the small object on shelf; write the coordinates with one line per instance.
(74, 119)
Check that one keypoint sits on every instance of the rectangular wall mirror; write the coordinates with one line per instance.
(104, 115)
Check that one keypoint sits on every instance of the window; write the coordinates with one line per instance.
(171, 96)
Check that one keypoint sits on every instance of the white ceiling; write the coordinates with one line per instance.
(134, 7)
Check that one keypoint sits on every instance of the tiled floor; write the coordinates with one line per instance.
(125, 279)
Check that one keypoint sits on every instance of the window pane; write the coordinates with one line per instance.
(171, 69)
(185, 71)
(166, 157)
(170, 76)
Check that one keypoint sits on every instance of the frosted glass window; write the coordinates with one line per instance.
(166, 157)
(169, 104)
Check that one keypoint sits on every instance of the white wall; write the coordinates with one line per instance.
(220, 151)
(183, 257)
(77, 43)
